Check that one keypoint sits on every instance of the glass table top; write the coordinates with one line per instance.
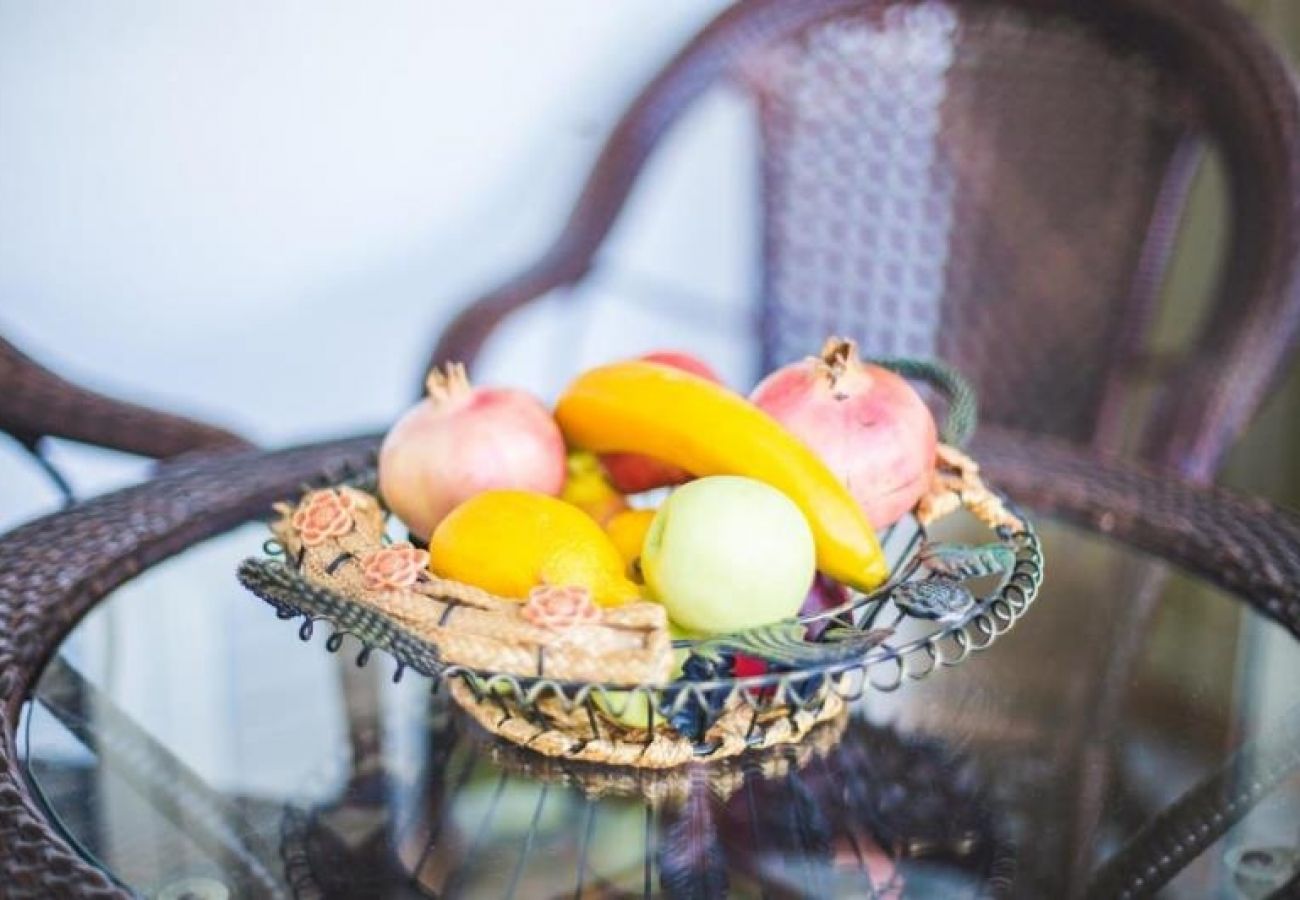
(190, 744)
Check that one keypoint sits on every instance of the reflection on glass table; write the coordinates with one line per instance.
(190, 744)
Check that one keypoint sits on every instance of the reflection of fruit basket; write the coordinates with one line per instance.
(878, 814)
(605, 691)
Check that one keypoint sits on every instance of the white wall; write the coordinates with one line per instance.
(260, 213)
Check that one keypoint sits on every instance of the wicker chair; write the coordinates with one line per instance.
(998, 183)
(36, 404)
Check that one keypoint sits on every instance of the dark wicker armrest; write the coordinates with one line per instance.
(1240, 543)
(55, 569)
(36, 403)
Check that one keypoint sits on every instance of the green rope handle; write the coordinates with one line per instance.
(963, 408)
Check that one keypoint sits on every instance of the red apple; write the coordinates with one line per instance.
(684, 361)
(632, 473)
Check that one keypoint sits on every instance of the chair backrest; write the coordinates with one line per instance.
(969, 184)
(999, 183)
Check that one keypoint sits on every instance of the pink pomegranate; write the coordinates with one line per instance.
(866, 423)
(462, 440)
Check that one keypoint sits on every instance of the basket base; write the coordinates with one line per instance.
(671, 787)
(568, 735)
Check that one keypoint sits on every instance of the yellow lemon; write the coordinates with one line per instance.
(587, 487)
(509, 542)
(627, 530)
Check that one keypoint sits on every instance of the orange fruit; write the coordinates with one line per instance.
(509, 542)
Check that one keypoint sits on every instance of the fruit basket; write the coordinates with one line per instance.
(926, 618)
(519, 608)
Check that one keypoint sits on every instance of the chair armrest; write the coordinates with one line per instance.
(54, 569)
(1240, 543)
(36, 403)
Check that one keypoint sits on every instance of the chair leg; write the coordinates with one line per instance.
(34, 445)
(360, 689)
(1095, 760)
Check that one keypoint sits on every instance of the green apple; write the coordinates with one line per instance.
(726, 553)
(632, 708)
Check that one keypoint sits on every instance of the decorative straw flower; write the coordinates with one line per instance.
(394, 567)
(557, 608)
(323, 515)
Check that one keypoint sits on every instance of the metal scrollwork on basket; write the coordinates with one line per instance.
(619, 690)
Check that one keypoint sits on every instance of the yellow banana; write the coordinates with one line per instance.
(706, 429)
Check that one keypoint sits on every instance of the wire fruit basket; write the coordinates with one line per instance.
(650, 700)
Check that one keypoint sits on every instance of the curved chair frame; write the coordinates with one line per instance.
(1249, 108)
(35, 404)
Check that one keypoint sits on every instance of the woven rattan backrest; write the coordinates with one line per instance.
(999, 184)
(971, 182)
